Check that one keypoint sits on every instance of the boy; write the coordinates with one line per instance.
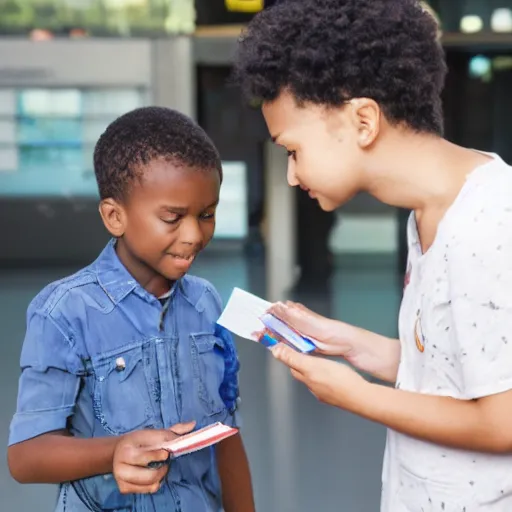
(352, 89)
(123, 355)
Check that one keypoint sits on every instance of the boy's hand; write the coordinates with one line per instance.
(135, 451)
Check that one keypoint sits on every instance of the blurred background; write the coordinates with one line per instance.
(69, 67)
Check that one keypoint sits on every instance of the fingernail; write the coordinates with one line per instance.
(157, 464)
(276, 351)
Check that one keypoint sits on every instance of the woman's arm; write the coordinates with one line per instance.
(374, 354)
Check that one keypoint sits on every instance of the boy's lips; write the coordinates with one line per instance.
(183, 256)
(183, 261)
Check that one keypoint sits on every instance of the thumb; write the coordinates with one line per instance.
(291, 358)
(183, 428)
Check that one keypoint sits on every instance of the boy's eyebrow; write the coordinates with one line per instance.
(275, 138)
(175, 209)
(215, 203)
(183, 210)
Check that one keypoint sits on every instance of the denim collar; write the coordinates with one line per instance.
(117, 282)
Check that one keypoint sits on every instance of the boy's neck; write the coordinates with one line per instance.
(420, 172)
(151, 281)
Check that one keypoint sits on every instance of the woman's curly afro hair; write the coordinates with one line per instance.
(326, 52)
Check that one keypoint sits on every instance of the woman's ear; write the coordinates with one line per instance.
(113, 216)
(366, 116)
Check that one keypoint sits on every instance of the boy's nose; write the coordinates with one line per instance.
(191, 233)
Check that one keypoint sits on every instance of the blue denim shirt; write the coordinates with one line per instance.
(103, 357)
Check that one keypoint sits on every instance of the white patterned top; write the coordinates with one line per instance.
(456, 336)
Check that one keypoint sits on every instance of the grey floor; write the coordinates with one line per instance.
(304, 456)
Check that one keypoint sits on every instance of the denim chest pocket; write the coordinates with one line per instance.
(122, 401)
(208, 369)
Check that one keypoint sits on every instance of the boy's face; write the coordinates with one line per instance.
(324, 146)
(167, 218)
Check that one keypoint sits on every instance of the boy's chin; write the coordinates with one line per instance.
(176, 269)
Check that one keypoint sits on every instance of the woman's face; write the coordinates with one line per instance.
(324, 150)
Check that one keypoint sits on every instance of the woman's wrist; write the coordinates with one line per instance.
(345, 337)
(371, 353)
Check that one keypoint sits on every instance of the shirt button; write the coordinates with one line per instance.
(120, 364)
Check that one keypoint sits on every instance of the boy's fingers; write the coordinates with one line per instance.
(144, 458)
(127, 487)
(140, 476)
(182, 428)
(141, 457)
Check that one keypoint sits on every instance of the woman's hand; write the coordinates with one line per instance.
(331, 337)
(332, 383)
(369, 352)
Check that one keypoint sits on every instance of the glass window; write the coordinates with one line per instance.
(98, 17)
(47, 137)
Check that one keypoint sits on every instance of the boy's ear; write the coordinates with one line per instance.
(113, 216)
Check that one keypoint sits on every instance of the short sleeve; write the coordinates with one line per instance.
(49, 381)
(480, 284)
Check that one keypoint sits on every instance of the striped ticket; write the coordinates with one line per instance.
(199, 439)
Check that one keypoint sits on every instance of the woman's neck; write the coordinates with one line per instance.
(420, 172)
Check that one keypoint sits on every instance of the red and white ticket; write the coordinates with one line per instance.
(199, 439)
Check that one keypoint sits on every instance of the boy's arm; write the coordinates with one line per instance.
(57, 457)
(41, 450)
(235, 476)
(232, 462)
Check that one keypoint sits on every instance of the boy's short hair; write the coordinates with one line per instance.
(145, 134)
(329, 51)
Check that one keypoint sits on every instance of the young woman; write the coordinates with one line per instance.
(351, 88)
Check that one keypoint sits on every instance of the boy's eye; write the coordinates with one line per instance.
(292, 154)
(208, 215)
(172, 219)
